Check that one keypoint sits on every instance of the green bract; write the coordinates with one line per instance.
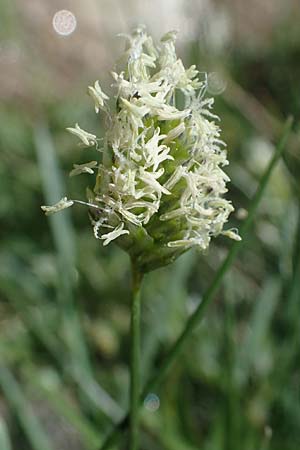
(160, 184)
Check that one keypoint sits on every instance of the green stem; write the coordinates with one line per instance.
(197, 316)
(135, 384)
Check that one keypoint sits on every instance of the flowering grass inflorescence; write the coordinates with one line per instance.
(160, 184)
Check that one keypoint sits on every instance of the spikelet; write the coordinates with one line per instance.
(160, 184)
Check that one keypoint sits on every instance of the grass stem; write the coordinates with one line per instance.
(135, 383)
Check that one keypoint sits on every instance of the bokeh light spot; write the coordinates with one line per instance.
(216, 84)
(64, 22)
(152, 402)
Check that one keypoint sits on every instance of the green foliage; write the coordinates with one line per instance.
(65, 300)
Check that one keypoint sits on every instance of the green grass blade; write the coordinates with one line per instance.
(197, 316)
(32, 307)
(26, 417)
(64, 238)
(5, 443)
(63, 405)
(54, 189)
(257, 336)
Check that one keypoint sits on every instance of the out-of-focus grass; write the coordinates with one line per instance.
(26, 416)
(64, 299)
(4, 436)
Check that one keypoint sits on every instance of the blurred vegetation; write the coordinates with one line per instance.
(64, 299)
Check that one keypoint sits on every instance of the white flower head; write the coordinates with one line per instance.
(160, 184)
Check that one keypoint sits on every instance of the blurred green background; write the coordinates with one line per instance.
(64, 299)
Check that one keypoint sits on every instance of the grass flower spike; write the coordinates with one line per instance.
(160, 182)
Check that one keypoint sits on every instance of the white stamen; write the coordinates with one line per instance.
(114, 234)
(59, 206)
